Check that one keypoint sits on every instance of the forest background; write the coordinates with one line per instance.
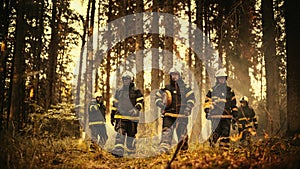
(53, 58)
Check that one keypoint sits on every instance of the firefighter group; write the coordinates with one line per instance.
(175, 102)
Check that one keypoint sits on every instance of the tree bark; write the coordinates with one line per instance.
(168, 45)
(155, 72)
(197, 126)
(18, 84)
(272, 66)
(53, 53)
(293, 76)
(242, 61)
(139, 60)
(4, 20)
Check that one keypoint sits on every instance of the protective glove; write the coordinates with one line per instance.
(112, 121)
(206, 110)
(234, 126)
(187, 111)
(161, 105)
(134, 112)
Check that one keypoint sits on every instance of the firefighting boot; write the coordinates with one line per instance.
(163, 148)
(118, 151)
(130, 144)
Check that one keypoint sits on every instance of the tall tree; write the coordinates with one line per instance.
(244, 48)
(4, 25)
(53, 53)
(155, 76)
(168, 41)
(272, 65)
(39, 48)
(83, 41)
(196, 130)
(139, 46)
(292, 17)
(89, 61)
(18, 86)
(108, 58)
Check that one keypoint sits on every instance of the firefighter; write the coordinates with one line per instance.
(219, 106)
(175, 109)
(246, 119)
(127, 104)
(97, 120)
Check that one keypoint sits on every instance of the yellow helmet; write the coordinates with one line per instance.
(221, 73)
(244, 99)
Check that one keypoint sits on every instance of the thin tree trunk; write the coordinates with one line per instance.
(4, 20)
(86, 62)
(108, 58)
(53, 47)
(139, 47)
(272, 65)
(168, 45)
(197, 126)
(155, 73)
(242, 62)
(90, 54)
(39, 51)
(139, 60)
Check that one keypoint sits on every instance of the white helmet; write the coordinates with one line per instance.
(127, 74)
(174, 70)
(244, 99)
(221, 73)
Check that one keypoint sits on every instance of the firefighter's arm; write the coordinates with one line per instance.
(139, 101)
(234, 109)
(190, 97)
(255, 123)
(114, 110)
(208, 103)
(139, 104)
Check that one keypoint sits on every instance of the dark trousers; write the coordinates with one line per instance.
(169, 124)
(221, 129)
(99, 129)
(126, 130)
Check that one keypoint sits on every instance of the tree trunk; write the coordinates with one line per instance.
(89, 63)
(242, 61)
(108, 58)
(39, 51)
(197, 126)
(79, 79)
(139, 47)
(18, 85)
(90, 53)
(53, 47)
(155, 71)
(168, 45)
(139, 60)
(4, 20)
(272, 66)
(293, 76)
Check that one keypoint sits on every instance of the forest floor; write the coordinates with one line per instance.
(49, 143)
